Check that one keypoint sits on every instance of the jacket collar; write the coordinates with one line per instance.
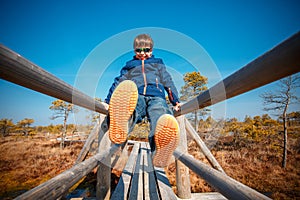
(134, 58)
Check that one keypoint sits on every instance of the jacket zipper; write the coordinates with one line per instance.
(144, 75)
(156, 80)
(170, 94)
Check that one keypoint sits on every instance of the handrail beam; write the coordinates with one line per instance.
(18, 70)
(57, 186)
(281, 61)
(224, 184)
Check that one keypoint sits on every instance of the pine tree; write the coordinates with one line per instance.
(194, 85)
(62, 110)
(5, 126)
(24, 126)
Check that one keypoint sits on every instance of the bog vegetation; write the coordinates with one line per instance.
(249, 151)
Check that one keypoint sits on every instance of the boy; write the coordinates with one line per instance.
(139, 92)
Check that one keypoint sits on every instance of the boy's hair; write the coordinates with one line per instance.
(142, 40)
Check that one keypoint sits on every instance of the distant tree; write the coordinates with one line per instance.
(258, 132)
(233, 127)
(62, 110)
(54, 129)
(259, 126)
(210, 122)
(248, 120)
(248, 126)
(195, 84)
(257, 121)
(24, 126)
(279, 101)
(5, 126)
(293, 118)
(202, 124)
(268, 121)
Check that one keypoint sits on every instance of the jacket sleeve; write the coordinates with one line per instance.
(116, 82)
(169, 85)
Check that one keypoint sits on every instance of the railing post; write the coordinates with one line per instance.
(103, 189)
(87, 145)
(211, 159)
(182, 172)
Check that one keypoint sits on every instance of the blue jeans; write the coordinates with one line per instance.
(153, 108)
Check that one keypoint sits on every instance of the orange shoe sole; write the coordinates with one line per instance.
(166, 140)
(122, 104)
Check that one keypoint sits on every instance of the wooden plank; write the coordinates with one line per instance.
(18, 70)
(208, 196)
(281, 61)
(163, 184)
(136, 186)
(122, 189)
(57, 186)
(224, 184)
(182, 172)
(212, 160)
(146, 170)
(151, 189)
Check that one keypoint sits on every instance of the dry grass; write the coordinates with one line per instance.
(28, 162)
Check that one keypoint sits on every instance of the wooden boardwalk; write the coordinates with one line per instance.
(140, 180)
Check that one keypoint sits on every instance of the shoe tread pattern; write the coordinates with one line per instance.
(166, 140)
(121, 107)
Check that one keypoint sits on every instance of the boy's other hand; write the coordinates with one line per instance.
(177, 107)
(106, 106)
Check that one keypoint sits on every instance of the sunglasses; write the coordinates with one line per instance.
(146, 50)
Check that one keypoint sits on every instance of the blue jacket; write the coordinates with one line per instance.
(157, 79)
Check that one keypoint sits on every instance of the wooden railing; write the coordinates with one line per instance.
(281, 61)
(18, 70)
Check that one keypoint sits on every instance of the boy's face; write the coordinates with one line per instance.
(143, 53)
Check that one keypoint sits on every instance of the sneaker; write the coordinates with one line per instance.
(122, 104)
(166, 140)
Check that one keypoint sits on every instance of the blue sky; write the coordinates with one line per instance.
(61, 36)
